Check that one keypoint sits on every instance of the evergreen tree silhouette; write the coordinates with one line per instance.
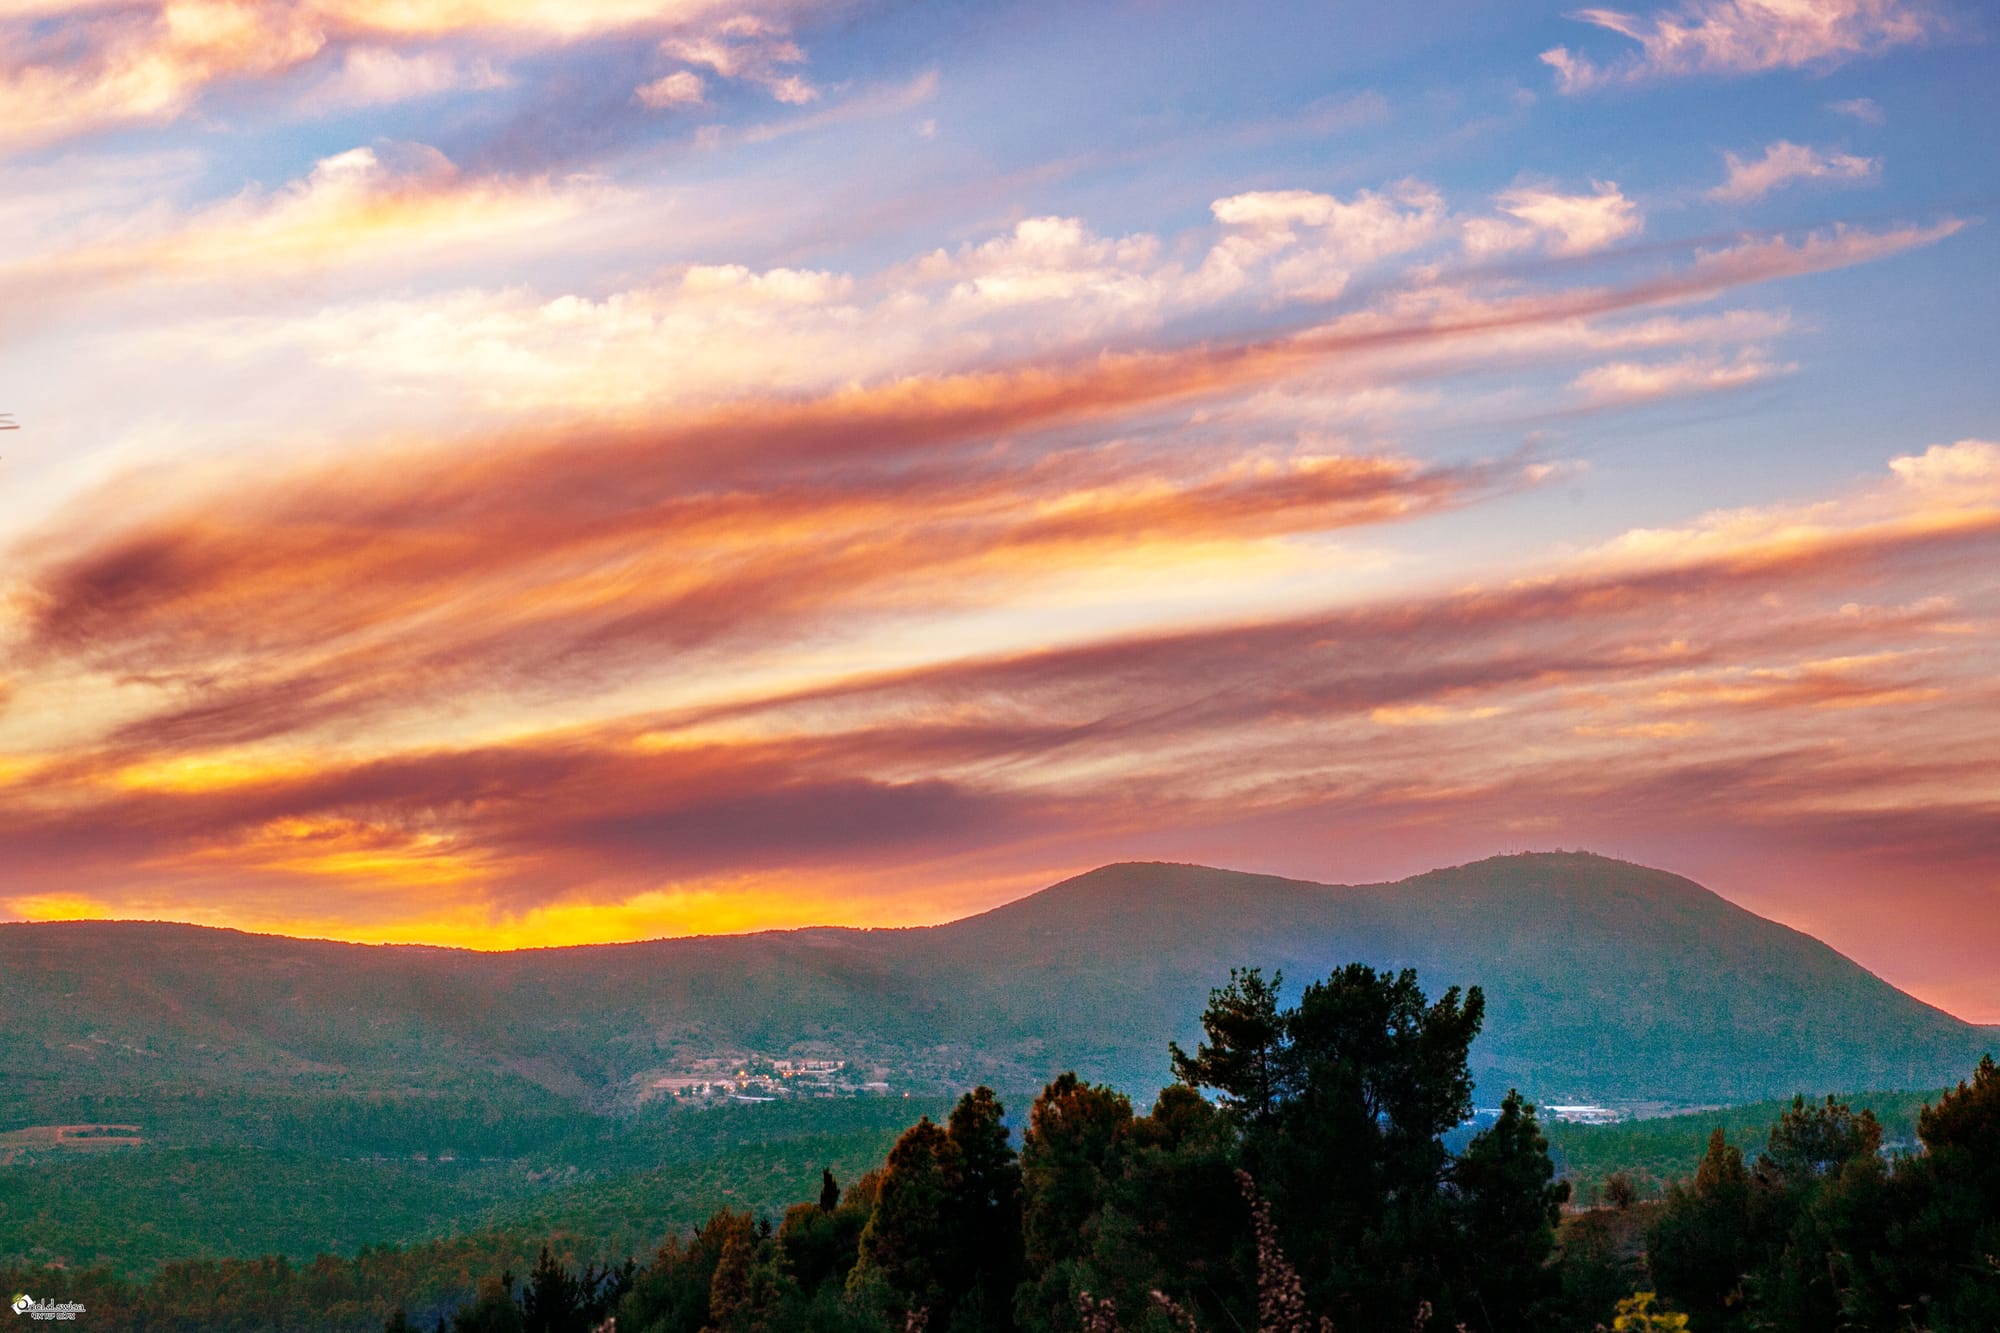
(829, 1191)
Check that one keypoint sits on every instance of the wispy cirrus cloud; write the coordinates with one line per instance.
(1741, 37)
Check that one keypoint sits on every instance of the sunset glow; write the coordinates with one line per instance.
(518, 474)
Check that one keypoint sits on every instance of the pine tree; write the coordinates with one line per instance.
(1342, 1101)
(983, 1218)
(1243, 1057)
(729, 1289)
(552, 1302)
(1510, 1205)
(904, 1262)
(1700, 1246)
(1068, 1159)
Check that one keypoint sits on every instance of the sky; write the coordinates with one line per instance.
(528, 472)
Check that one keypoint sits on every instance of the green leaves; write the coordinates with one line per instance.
(1244, 1057)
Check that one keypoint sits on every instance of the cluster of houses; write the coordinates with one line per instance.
(757, 1079)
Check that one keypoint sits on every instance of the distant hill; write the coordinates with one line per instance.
(1605, 981)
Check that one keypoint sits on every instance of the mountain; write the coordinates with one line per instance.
(1604, 980)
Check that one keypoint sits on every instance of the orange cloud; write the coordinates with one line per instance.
(405, 202)
(497, 576)
(151, 62)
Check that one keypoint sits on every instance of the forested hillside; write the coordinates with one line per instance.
(1606, 981)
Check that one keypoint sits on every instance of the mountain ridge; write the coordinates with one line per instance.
(1605, 980)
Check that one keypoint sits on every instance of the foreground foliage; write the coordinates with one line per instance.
(1822, 1231)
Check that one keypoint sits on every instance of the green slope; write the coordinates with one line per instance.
(234, 1188)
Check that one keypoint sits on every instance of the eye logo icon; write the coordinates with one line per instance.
(65, 1311)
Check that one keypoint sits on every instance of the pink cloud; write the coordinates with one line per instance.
(681, 88)
(1562, 224)
(1785, 162)
(1742, 37)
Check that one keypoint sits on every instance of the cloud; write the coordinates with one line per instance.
(1741, 37)
(1315, 241)
(561, 19)
(1046, 294)
(1059, 323)
(1369, 227)
(1940, 489)
(150, 63)
(146, 64)
(866, 102)
(1049, 287)
(1636, 381)
(1046, 261)
(484, 827)
(161, 603)
(1743, 608)
(1784, 162)
(681, 88)
(401, 202)
(1839, 246)
(695, 570)
(747, 48)
(373, 76)
(1864, 109)
(1562, 224)
(1968, 469)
